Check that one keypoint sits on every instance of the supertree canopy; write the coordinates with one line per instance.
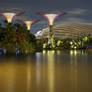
(10, 14)
(29, 23)
(51, 16)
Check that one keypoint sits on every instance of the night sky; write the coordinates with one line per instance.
(79, 10)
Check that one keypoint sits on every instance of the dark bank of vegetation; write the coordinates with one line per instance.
(16, 39)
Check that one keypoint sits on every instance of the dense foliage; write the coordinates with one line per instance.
(15, 38)
(74, 43)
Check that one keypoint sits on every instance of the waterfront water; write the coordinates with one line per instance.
(51, 71)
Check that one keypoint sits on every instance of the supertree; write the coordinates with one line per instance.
(9, 15)
(29, 23)
(51, 17)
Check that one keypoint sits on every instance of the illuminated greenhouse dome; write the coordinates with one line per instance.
(63, 31)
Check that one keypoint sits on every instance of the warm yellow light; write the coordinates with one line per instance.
(75, 52)
(9, 16)
(51, 18)
(28, 24)
(75, 47)
(71, 52)
(51, 68)
(44, 52)
(28, 27)
(58, 52)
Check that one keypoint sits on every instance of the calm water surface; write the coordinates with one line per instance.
(51, 71)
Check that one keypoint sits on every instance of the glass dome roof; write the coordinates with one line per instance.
(63, 31)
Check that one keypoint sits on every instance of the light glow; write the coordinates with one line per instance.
(51, 18)
(29, 23)
(9, 16)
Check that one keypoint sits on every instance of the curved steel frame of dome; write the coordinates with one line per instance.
(69, 31)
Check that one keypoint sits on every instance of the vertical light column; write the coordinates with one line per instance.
(74, 70)
(51, 68)
(28, 75)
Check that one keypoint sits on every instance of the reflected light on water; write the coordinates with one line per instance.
(38, 58)
(51, 62)
(10, 79)
(58, 52)
(78, 52)
(74, 60)
(28, 75)
(74, 69)
(47, 72)
(74, 52)
(44, 52)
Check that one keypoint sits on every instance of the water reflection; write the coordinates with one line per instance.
(38, 62)
(74, 69)
(78, 52)
(10, 81)
(49, 71)
(51, 62)
(28, 75)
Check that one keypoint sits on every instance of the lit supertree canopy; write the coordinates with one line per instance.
(51, 16)
(10, 14)
(29, 23)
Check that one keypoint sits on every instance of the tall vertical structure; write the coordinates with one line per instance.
(9, 15)
(51, 17)
(28, 24)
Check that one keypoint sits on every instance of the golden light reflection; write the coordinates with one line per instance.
(11, 80)
(51, 62)
(74, 69)
(58, 52)
(28, 75)
(44, 52)
(8, 77)
(38, 62)
(75, 52)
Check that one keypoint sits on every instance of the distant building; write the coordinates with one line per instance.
(63, 31)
